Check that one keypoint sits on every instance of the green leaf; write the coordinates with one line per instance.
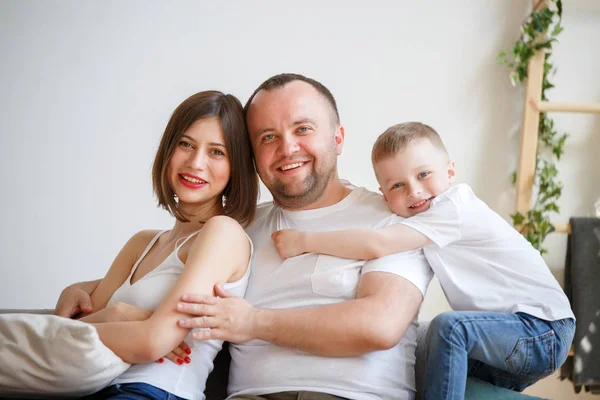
(559, 6)
(517, 218)
(557, 30)
(501, 59)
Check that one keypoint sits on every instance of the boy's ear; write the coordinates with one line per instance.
(382, 193)
(451, 169)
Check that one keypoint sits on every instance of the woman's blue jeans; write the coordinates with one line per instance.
(132, 391)
(508, 350)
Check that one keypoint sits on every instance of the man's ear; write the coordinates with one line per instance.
(339, 139)
(382, 193)
(451, 169)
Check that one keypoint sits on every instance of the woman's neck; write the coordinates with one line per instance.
(196, 216)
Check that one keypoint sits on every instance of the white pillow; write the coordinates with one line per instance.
(51, 355)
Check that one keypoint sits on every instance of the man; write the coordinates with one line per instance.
(314, 326)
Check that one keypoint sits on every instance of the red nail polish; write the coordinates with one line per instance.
(160, 360)
(187, 360)
(179, 361)
(188, 351)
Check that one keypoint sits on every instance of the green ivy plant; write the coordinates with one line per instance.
(539, 32)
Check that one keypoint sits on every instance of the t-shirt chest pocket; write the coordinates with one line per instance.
(336, 277)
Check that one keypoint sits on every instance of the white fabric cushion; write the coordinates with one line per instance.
(50, 355)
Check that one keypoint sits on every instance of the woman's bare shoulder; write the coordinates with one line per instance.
(139, 241)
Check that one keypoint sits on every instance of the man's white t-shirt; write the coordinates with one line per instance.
(483, 263)
(310, 280)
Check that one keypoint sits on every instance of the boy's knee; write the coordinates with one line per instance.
(444, 320)
(445, 325)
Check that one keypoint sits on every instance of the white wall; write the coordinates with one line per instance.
(87, 88)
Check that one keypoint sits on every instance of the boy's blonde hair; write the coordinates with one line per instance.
(397, 137)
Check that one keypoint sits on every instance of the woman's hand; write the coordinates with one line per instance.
(179, 355)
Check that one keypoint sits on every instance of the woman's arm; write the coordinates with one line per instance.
(121, 268)
(116, 312)
(92, 296)
(356, 244)
(220, 251)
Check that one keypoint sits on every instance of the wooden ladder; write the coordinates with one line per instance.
(532, 108)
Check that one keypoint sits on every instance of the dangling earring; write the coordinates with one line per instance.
(175, 198)
(223, 201)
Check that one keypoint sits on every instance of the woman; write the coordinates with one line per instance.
(204, 175)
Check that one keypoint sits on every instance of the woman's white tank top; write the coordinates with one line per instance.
(187, 380)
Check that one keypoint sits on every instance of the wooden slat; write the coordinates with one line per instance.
(539, 4)
(562, 228)
(529, 132)
(588, 108)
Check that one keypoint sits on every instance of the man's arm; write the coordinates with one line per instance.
(377, 319)
(355, 244)
(75, 299)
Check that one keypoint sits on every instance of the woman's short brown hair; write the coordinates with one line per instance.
(241, 193)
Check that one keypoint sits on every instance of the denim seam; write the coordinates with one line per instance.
(448, 385)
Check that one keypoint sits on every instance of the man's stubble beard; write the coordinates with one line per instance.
(313, 187)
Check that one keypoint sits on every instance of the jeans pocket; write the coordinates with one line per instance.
(534, 357)
(336, 277)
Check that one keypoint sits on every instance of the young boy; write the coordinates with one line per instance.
(512, 323)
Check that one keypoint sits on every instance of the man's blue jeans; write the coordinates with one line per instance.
(132, 391)
(507, 350)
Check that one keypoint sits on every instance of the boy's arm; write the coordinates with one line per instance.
(357, 244)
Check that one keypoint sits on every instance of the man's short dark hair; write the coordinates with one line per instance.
(280, 80)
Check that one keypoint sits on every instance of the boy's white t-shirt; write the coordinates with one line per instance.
(309, 280)
(483, 263)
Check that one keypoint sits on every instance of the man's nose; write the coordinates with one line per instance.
(289, 146)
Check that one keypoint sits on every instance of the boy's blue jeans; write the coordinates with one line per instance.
(507, 350)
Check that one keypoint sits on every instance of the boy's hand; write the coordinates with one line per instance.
(289, 242)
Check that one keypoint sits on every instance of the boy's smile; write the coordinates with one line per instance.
(413, 177)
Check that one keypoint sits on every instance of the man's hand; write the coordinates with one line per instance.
(289, 242)
(73, 301)
(227, 317)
